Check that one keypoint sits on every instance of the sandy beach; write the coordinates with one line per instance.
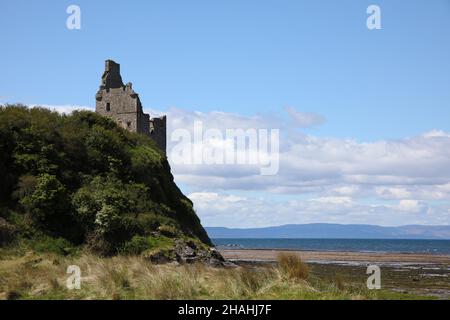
(338, 257)
(423, 274)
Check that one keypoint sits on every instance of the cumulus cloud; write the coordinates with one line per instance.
(204, 197)
(397, 169)
(321, 179)
(257, 211)
(341, 180)
(413, 206)
(437, 133)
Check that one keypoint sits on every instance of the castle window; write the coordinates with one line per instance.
(108, 106)
(128, 124)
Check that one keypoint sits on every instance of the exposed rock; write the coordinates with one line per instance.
(159, 256)
(187, 252)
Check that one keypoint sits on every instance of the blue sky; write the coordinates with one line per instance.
(242, 56)
(383, 93)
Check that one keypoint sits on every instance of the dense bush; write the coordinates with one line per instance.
(81, 178)
(48, 244)
(48, 204)
(139, 244)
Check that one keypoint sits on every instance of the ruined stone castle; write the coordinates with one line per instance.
(120, 103)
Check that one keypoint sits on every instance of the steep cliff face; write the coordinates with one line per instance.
(83, 179)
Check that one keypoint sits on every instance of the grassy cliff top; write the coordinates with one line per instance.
(80, 180)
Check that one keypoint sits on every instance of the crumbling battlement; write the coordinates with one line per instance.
(122, 104)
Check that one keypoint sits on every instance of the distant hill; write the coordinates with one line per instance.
(337, 231)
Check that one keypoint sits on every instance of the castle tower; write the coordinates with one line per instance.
(120, 103)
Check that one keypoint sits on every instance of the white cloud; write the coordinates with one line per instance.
(66, 108)
(341, 180)
(305, 119)
(392, 192)
(213, 196)
(346, 190)
(388, 182)
(413, 206)
(269, 211)
(333, 200)
(436, 133)
(330, 165)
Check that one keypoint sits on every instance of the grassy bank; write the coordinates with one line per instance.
(30, 275)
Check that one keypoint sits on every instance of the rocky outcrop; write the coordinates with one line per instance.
(187, 252)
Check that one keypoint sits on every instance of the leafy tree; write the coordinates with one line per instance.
(49, 203)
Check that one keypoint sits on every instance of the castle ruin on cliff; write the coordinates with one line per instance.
(120, 103)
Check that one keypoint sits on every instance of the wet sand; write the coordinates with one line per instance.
(421, 274)
(338, 257)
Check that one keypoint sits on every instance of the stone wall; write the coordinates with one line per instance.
(158, 131)
(122, 104)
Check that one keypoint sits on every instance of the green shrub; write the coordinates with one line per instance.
(139, 244)
(135, 246)
(152, 221)
(48, 202)
(49, 244)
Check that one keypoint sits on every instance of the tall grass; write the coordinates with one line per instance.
(292, 266)
(43, 276)
(339, 281)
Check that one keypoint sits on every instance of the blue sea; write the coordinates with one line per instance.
(352, 245)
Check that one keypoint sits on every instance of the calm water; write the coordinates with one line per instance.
(359, 245)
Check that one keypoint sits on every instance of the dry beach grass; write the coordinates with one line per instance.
(43, 276)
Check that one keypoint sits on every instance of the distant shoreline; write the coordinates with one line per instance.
(268, 255)
(224, 248)
(371, 246)
(335, 231)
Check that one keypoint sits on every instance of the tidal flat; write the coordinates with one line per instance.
(419, 274)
